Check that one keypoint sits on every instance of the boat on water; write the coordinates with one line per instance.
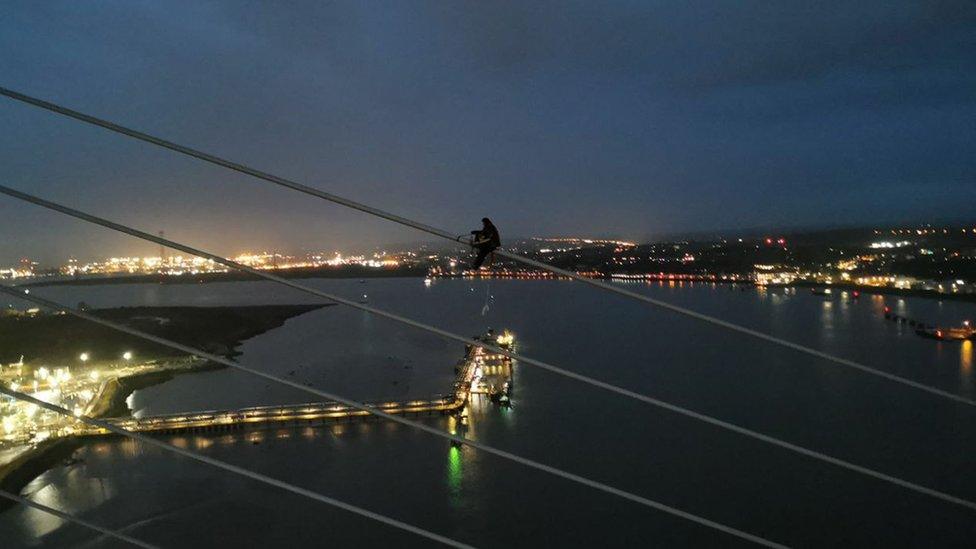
(942, 334)
(502, 396)
(821, 291)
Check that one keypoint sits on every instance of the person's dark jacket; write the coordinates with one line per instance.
(487, 237)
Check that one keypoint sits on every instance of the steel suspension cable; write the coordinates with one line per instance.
(220, 464)
(391, 417)
(241, 168)
(75, 520)
(498, 350)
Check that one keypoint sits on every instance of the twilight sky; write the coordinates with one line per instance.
(553, 118)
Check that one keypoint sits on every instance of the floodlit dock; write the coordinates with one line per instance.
(470, 373)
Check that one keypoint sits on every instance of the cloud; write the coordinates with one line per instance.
(554, 117)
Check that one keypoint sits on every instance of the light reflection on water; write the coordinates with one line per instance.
(83, 492)
(387, 467)
(39, 523)
(454, 473)
(966, 358)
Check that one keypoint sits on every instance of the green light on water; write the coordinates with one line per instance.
(454, 469)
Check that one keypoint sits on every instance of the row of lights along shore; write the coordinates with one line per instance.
(84, 357)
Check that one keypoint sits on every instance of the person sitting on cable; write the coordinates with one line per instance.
(485, 241)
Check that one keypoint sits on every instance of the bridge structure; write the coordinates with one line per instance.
(477, 373)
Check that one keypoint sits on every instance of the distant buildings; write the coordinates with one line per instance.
(938, 259)
(179, 265)
(26, 268)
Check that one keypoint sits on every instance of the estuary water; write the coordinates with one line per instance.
(486, 501)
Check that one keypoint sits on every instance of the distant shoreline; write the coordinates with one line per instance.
(901, 292)
(417, 273)
(879, 290)
(204, 278)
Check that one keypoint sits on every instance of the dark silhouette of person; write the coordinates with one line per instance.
(485, 241)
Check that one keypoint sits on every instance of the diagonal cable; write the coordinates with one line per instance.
(391, 417)
(75, 520)
(220, 464)
(498, 350)
(241, 168)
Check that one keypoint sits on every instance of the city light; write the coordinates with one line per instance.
(890, 245)
(127, 355)
(179, 265)
(61, 385)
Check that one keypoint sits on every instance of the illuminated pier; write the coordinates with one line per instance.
(477, 373)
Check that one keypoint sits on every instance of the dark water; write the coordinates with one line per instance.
(486, 501)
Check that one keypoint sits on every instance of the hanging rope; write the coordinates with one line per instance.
(488, 298)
